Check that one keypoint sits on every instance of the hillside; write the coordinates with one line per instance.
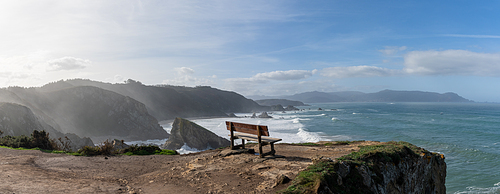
(19, 120)
(168, 102)
(88, 112)
(382, 96)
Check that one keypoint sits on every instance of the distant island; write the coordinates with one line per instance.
(382, 96)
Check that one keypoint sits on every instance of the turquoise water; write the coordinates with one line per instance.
(468, 134)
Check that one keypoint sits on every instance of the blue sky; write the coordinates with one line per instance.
(257, 47)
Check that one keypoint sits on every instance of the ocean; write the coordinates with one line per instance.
(468, 134)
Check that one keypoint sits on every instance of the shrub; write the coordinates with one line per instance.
(147, 150)
(38, 139)
(106, 148)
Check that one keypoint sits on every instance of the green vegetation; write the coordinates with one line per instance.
(147, 150)
(306, 144)
(39, 140)
(389, 152)
(324, 174)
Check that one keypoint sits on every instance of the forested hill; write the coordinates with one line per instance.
(382, 96)
(168, 102)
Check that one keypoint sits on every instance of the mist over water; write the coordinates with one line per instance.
(468, 134)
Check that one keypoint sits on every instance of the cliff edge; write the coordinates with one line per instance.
(392, 167)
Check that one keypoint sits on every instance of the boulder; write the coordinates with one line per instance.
(291, 108)
(253, 116)
(192, 135)
(232, 115)
(264, 115)
(119, 144)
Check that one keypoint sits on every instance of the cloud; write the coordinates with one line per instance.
(284, 75)
(67, 63)
(471, 36)
(184, 70)
(390, 50)
(452, 62)
(358, 71)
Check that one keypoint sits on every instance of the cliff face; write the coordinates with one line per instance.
(193, 135)
(16, 120)
(393, 167)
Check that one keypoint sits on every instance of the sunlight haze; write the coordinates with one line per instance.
(257, 47)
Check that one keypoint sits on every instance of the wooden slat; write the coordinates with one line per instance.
(255, 138)
(247, 128)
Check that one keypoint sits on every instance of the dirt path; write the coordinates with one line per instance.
(214, 171)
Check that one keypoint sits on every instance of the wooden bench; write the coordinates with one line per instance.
(251, 132)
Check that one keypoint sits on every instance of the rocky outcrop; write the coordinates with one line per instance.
(264, 115)
(393, 167)
(291, 108)
(16, 120)
(185, 132)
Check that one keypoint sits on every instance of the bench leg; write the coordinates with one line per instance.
(232, 143)
(272, 149)
(243, 143)
(260, 150)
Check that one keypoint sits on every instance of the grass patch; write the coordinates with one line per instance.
(147, 150)
(306, 144)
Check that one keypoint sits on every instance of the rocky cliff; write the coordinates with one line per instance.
(393, 167)
(16, 120)
(192, 135)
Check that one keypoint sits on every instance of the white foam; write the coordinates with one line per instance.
(186, 150)
(157, 142)
(479, 190)
(307, 136)
(334, 119)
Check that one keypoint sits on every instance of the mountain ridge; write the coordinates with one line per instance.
(381, 96)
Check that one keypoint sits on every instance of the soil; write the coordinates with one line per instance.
(212, 171)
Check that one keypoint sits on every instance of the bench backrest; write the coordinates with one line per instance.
(247, 128)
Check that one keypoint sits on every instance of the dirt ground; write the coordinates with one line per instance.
(213, 171)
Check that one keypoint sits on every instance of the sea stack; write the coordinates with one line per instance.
(192, 135)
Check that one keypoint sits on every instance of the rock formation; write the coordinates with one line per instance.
(192, 135)
(264, 115)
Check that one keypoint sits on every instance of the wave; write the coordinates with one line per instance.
(479, 190)
(187, 150)
(334, 119)
(307, 136)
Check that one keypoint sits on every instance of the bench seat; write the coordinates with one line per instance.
(250, 137)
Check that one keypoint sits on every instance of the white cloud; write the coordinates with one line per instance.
(452, 62)
(284, 75)
(67, 63)
(390, 50)
(358, 71)
(471, 36)
(184, 70)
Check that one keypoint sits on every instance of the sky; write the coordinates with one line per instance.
(257, 47)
